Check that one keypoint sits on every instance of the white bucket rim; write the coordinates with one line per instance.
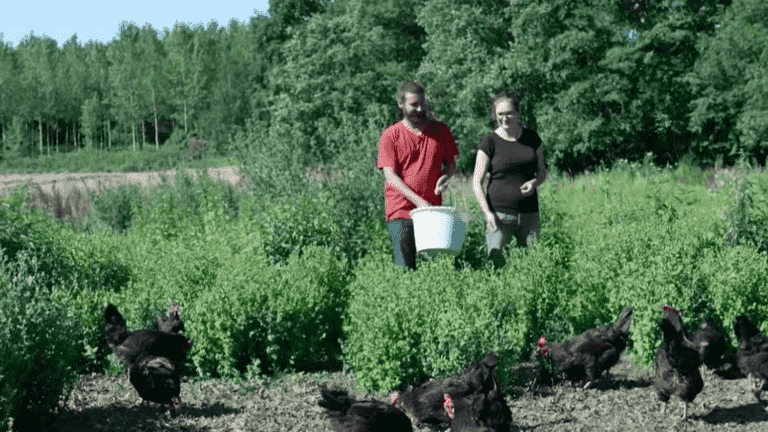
(440, 209)
(463, 215)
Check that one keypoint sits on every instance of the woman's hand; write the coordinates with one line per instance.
(528, 187)
(490, 222)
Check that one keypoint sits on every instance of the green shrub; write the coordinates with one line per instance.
(288, 227)
(385, 323)
(262, 319)
(746, 218)
(98, 260)
(405, 326)
(115, 207)
(185, 203)
(735, 279)
(38, 345)
(74, 268)
(29, 230)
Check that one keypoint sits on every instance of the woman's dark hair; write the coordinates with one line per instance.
(504, 94)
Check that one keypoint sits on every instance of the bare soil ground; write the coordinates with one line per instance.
(95, 182)
(627, 403)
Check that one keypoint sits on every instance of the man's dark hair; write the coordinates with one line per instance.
(409, 87)
(416, 88)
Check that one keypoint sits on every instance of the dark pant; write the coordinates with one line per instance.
(403, 242)
(521, 226)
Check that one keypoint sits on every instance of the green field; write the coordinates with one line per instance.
(299, 280)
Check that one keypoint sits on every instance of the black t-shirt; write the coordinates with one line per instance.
(511, 164)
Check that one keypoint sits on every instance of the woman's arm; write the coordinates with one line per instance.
(481, 167)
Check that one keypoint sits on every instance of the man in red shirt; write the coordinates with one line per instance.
(417, 155)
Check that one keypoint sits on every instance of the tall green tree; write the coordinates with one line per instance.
(39, 59)
(9, 96)
(125, 80)
(730, 81)
(338, 67)
(189, 70)
(90, 119)
(231, 88)
(154, 79)
(98, 65)
(288, 13)
(555, 61)
(661, 55)
(73, 82)
(604, 79)
(465, 42)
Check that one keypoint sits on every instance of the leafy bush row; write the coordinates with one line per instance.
(406, 326)
(262, 319)
(39, 352)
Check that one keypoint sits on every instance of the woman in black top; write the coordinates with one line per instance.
(513, 156)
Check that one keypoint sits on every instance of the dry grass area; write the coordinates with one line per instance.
(626, 402)
(67, 196)
(94, 182)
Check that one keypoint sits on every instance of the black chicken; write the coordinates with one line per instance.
(480, 412)
(427, 402)
(752, 356)
(127, 345)
(348, 415)
(714, 353)
(591, 353)
(153, 357)
(677, 363)
(170, 323)
(157, 379)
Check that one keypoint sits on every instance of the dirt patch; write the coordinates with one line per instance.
(626, 402)
(95, 182)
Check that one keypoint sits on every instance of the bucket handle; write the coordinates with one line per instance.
(463, 215)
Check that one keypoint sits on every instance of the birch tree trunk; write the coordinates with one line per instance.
(154, 109)
(40, 124)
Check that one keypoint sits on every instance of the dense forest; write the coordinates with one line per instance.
(599, 79)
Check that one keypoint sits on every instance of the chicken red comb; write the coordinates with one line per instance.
(448, 405)
(542, 342)
(668, 308)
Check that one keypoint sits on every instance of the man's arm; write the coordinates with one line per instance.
(393, 179)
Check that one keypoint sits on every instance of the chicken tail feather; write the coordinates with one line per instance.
(114, 326)
(624, 322)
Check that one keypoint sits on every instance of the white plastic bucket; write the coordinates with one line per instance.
(438, 229)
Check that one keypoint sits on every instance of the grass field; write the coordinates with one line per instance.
(196, 253)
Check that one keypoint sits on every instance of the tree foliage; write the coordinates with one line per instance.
(599, 79)
(461, 67)
(338, 67)
(730, 80)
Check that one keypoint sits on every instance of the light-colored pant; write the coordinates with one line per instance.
(523, 226)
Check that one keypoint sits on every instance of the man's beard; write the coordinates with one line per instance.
(419, 117)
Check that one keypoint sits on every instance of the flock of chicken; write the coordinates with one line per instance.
(472, 400)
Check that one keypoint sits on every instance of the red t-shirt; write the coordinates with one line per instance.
(418, 160)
